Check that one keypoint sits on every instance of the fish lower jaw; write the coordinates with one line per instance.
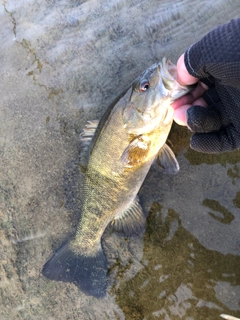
(168, 119)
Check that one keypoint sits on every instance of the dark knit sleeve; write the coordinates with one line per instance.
(217, 54)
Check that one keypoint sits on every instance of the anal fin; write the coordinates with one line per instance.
(132, 221)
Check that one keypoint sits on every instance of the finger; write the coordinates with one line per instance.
(180, 116)
(211, 96)
(203, 119)
(190, 97)
(183, 77)
(226, 139)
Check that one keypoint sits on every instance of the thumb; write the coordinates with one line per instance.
(183, 77)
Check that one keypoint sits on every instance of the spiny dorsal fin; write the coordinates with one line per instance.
(88, 132)
(132, 221)
(166, 160)
(85, 140)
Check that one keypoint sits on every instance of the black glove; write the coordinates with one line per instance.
(215, 60)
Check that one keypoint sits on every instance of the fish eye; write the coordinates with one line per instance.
(144, 86)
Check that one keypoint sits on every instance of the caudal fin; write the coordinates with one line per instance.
(87, 273)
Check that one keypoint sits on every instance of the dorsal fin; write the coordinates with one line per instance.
(85, 140)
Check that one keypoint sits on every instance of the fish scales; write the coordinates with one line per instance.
(108, 181)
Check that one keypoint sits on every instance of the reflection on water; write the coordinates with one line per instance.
(62, 63)
(181, 279)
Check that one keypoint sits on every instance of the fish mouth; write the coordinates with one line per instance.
(169, 70)
(169, 79)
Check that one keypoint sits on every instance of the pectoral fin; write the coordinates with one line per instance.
(85, 139)
(136, 151)
(166, 160)
(132, 221)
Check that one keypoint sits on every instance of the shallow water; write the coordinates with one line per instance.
(62, 63)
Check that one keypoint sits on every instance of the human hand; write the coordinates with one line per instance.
(182, 104)
(212, 110)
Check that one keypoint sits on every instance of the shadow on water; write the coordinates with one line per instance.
(226, 216)
(180, 278)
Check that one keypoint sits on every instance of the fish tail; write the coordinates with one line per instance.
(89, 273)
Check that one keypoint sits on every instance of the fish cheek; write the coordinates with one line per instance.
(132, 117)
(136, 152)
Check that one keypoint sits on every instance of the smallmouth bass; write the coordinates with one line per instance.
(120, 150)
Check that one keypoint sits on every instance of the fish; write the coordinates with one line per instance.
(117, 152)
